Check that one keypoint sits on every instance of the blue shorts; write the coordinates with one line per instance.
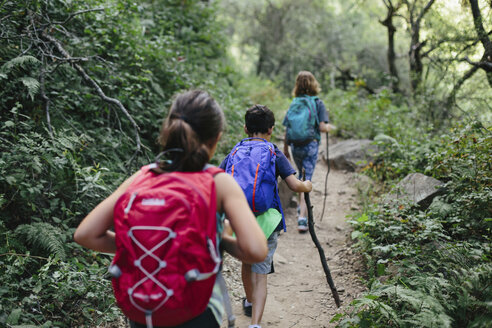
(305, 158)
(265, 267)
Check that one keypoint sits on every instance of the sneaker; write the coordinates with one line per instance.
(247, 308)
(302, 225)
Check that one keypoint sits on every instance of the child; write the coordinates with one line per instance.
(305, 152)
(259, 125)
(194, 126)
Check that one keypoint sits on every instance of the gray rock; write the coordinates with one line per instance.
(417, 188)
(351, 154)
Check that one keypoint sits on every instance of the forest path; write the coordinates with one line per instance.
(298, 293)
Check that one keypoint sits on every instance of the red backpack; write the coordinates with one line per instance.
(167, 255)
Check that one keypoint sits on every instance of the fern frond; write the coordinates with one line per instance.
(31, 84)
(20, 61)
(410, 307)
(44, 236)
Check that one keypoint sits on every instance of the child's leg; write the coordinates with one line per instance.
(259, 297)
(259, 280)
(246, 276)
(302, 204)
(305, 158)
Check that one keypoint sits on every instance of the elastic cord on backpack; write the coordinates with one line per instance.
(148, 319)
(196, 275)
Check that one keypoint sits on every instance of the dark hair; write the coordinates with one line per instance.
(194, 119)
(259, 119)
(306, 84)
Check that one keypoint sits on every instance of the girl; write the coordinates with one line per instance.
(306, 153)
(194, 125)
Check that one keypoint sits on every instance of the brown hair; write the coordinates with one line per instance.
(306, 84)
(194, 120)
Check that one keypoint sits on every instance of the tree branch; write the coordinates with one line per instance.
(45, 97)
(477, 21)
(78, 13)
(424, 11)
(452, 96)
(485, 65)
(96, 87)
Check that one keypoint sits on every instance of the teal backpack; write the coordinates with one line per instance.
(301, 121)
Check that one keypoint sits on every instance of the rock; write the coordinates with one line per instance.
(417, 188)
(351, 154)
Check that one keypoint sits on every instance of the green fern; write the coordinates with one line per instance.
(21, 61)
(45, 237)
(31, 84)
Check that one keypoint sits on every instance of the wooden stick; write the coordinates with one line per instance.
(321, 252)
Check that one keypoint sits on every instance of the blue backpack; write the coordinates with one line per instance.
(252, 165)
(301, 120)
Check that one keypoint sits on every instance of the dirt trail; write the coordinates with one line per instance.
(298, 293)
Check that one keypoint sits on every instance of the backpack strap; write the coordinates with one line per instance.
(213, 170)
(231, 319)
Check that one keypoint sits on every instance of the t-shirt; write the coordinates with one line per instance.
(322, 115)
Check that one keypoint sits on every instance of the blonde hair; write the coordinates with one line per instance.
(306, 84)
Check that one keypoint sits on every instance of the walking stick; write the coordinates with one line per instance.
(326, 177)
(321, 252)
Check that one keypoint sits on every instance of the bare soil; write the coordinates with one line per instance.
(298, 292)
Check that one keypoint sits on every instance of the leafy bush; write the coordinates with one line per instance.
(64, 147)
(431, 267)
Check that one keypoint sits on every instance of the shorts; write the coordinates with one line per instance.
(266, 266)
(305, 158)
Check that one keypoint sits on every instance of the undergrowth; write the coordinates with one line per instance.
(428, 267)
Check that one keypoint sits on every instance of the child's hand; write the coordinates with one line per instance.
(307, 185)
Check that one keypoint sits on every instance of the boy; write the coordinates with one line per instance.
(259, 123)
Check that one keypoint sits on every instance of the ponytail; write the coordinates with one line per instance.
(194, 120)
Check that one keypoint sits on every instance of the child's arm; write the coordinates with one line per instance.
(286, 147)
(93, 232)
(250, 245)
(297, 185)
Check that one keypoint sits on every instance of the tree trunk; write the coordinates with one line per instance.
(391, 56)
(486, 61)
(415, 57)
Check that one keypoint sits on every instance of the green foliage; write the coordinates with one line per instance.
(63, 148)
(49, 292)
(44, 238)
(430, 267)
